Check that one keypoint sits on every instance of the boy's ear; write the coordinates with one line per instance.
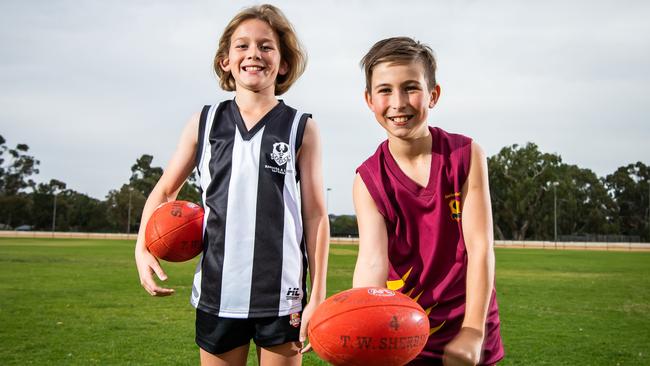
(368, 98)
(435, 94)
(225, 64)
(284, 68)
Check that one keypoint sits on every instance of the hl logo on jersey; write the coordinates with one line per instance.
(293, 293)
(280, 153)
(454, 205)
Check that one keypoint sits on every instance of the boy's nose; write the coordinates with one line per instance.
(398, 101)
(253, 53)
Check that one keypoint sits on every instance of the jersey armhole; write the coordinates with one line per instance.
(465, 162)
(199, 146)
(300, 132)
(301, 129)
(368, 180)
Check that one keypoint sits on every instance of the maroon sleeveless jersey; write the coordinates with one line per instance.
(426, 250)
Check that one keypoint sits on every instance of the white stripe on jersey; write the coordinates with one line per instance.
(240, 227)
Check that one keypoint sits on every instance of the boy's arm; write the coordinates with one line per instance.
(465, 348)
(179, 168)
(315, 220)
(371, 269)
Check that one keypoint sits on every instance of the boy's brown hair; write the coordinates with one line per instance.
(291, 51)
(400, 50)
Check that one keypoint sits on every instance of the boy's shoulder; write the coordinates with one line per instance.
(377, 157)
(218, 106)
(446, 143)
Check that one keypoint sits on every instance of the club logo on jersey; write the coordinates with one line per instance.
(454, 205)
(294, 320)
(280, 153)
(293, 293)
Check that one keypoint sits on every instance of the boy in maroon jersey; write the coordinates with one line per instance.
(423, 207)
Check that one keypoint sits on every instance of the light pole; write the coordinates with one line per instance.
(327, 204)
(555, 184)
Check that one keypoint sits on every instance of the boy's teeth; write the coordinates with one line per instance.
(399, 119)
(252, 68)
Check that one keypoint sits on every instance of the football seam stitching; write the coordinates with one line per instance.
(374, 306)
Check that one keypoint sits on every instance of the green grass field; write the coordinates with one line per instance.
(79, 302)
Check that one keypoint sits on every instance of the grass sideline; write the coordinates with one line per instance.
(79, 302)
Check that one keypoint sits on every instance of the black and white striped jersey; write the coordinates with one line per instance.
(254, 260)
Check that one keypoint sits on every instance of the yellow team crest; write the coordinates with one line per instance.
(454, 205)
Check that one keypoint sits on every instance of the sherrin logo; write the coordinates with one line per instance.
(380, 292)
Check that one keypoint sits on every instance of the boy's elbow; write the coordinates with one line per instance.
(481, 256)
(315, 214)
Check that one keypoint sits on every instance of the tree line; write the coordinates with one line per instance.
(53, 206)
(535, 196)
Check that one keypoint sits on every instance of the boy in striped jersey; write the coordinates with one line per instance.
(423, 208)
(259, 168)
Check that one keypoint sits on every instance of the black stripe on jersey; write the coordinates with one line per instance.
(300, 132)
(269, 228)
(305, 266)
(221, 142)
(241, 125)
(199, 142)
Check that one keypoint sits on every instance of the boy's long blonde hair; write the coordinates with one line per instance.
(291, 51)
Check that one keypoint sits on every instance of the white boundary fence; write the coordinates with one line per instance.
(355, 241)
(572, 245)
(65, 235)
(543, 244)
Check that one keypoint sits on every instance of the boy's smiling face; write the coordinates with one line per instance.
(400, 99)
(254, 56)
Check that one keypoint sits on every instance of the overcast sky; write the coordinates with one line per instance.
(90, 86)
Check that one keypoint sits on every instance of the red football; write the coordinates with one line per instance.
(368, 326)
(175, 231)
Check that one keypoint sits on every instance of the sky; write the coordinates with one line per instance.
(90, 86)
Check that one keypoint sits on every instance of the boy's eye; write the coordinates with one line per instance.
(240, 46)
(411, 88)
(383, 90)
